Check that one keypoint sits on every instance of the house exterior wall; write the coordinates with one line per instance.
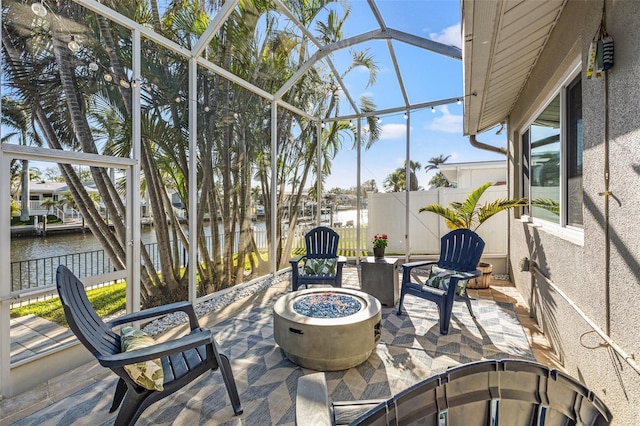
(579, 269)
(472, 175)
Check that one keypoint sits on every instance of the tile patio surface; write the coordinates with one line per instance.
(410, 349)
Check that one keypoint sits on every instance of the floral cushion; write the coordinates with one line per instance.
(320, 266)
(147, 374)
(439, 278)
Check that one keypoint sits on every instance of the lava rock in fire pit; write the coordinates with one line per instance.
(327, 305)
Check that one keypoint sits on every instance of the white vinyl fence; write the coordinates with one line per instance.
(387, 216)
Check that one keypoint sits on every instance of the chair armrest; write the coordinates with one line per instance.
(294, 262)
(190, 341)
(467, 275)
(409, 266)
(312, 401)
(185, 307)
(419, 263)
(342, 259)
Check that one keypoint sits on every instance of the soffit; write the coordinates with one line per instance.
(502, 40)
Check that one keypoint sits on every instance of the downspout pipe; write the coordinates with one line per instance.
(481, 145)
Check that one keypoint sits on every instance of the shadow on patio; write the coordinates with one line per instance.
(410, 350)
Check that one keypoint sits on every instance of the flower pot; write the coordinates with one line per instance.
(484, 280)
(378, 252)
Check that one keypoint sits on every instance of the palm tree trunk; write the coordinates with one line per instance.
(24, 212)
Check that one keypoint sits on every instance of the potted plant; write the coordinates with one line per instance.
(469, 215)
(379, 244)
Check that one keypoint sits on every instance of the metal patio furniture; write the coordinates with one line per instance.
(321, 243)
(460, 251)
(183, 359)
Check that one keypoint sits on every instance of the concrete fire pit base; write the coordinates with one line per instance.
(327, 344)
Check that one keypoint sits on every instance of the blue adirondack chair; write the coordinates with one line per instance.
(183, 359)
(460, 251)
(322, 245)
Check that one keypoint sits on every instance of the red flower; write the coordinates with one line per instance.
(380, 240)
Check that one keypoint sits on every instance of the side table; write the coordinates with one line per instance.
(379, 278)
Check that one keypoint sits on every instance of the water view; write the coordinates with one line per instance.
(29, 248)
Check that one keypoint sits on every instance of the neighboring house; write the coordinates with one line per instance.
(576, 142)
(472, 175)
(40, 191)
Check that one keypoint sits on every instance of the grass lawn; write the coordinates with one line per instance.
(106, 300)
(15, 220)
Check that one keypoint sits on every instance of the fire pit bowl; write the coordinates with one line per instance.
(327, 329)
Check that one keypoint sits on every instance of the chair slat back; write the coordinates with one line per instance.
(460, 250)
(322, 243)
(82, 318)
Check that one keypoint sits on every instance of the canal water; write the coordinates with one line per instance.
(29, 248)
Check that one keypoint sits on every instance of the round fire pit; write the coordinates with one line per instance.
(327, 329)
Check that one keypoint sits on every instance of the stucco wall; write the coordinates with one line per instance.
(579, 269)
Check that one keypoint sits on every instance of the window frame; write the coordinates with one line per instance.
(563, 229)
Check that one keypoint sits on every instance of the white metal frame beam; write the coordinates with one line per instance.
(9, 152)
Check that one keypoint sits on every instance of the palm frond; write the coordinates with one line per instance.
(547, 204)
(497, 206)
(451, 217)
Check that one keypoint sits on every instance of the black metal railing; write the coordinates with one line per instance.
(39, 273)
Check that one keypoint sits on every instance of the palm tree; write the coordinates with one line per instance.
(16, 115)
(467, 214)
(434, 162)
(394, 182)
(414, 166)
(438, 180)
(48, 203)
(67, 99)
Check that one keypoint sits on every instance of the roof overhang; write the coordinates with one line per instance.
(502, 41)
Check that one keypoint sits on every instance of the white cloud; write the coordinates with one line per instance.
(393, 131)
(449, 36)
(447, 122)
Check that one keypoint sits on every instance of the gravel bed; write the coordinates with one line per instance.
(214, 304)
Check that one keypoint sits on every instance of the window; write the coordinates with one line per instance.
(552, 159)
(574, 154)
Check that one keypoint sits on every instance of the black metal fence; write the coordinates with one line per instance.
(39, 273)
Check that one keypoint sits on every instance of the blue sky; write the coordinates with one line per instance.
(427, 77)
